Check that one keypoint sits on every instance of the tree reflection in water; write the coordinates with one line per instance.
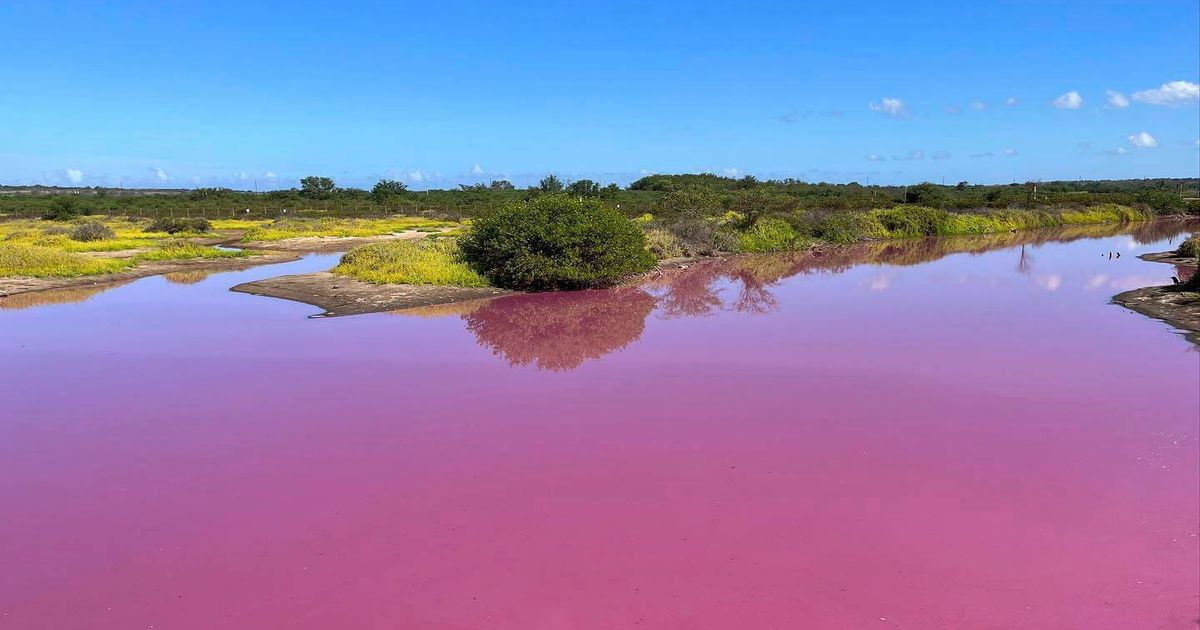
(559, 331)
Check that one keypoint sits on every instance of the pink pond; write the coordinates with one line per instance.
(910, 437)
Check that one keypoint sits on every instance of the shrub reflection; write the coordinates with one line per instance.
(560, 331)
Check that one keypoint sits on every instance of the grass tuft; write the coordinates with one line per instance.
(434, 262)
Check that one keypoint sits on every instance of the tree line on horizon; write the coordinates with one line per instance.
(703, 194)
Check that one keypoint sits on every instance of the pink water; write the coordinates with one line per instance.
(974, 441)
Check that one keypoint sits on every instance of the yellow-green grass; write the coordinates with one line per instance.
(183, 250)
(344, 228)
(128, 234)
(44, 249)
(237, 224)
(433, 262)
(44, 262)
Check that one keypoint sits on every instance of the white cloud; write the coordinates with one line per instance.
(985, 154)
(1117, 100)
(1171, 94)
(880, 282)
(1010, 152)
(1070, 100)
(74, 175)
(415, 177)
(1011, 101)
(241, 176)
(1143, 140)
(893, 107)
(1097, 281)
(271, 176)
(160, 174)
(730, 172)
(915, 154)
(978, 106)
(1050, 282)
(876, 158)
(477, 170)
(941, 155)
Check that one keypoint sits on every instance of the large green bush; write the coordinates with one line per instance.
(555, 242)
(1161, 200)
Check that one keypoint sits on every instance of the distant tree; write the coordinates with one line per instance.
(386, 188)
(747, 182)
(584, 188)
(316, 187)
(550, 184)
(926, 194)
(501, 184)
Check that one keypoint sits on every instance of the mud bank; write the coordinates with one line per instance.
(339, 295)
(1180, 309)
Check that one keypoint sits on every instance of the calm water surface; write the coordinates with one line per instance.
(897, 437)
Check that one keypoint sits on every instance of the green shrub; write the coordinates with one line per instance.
(1190, 248)
(174, 225)
(1161, 200)
(63, 209)
(848, 228)
(699, 236)
(92, 231)
(771, 235)
(555, 242)
(913, 221)
(410, 262)
(663, 244)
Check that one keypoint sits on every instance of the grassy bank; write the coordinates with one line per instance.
(53, 249)
(432, 262)
(278, 230)
(791, 232)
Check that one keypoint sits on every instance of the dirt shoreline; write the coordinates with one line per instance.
(1180, 309)
(340, 296)
(265, 253)
(17, 285)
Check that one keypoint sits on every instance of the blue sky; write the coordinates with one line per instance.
(232, 93)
